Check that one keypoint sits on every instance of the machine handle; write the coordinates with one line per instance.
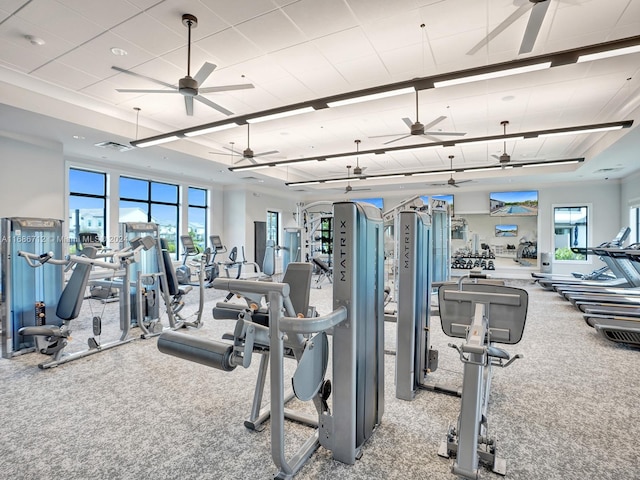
(314, 324)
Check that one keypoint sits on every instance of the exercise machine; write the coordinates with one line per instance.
(351, 405)
(324, 271)
(52, 338)
(482, 314)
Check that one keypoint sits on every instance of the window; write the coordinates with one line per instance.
(326, 235)
(273, 226)
(571, 229)
(87, 205)
(148, 201)
(197, 216)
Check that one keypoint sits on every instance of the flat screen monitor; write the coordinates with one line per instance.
(520, 203)
(216, 242)
(507, 230)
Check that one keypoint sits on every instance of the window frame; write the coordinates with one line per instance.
(273, 214)
(589, 209)
(75, 240)
(205, 208)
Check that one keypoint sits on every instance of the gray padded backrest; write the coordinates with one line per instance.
(269, 262)
(298, 276)
(71, 298)
(505, 321)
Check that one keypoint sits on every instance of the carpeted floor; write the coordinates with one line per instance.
(567, 410)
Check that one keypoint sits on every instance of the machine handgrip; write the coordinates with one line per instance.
(254, 286)
(314, 324)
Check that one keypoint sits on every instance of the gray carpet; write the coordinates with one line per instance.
(568, 410)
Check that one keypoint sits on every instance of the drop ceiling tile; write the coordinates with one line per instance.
(170, 15)
(300, 57)
(396, 31)
(469, 16)
(65, 76)
(364, 72)
(106, 14)
(373, 10)
(408, 62)
(150, 34)
(317, 19)
(95, 57)
(271, 32)
(68, 25)
(345, 45)
(322, 82)
(240, 11)
(20, 55)
(230, 46)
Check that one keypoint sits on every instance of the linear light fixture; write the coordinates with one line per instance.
(608, 54)
(154, 141)
(258, 166)
(274, 116)
(584, 130)
(491, 75)
(203, 131)
(550, 163)
(373, 96)
(501, 138)
(522, 135)
(565, 57)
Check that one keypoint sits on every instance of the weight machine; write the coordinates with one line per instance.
(351, 405)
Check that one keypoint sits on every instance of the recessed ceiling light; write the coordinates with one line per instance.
(78, 137)
(118, 51)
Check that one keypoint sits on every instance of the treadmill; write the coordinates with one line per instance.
(547, 281)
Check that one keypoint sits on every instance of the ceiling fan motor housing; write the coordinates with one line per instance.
(417, 129)
(357, 171)
(248, 153)
(505, 158)
(188, 86)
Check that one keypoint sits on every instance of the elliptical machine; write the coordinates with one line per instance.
(184, 273)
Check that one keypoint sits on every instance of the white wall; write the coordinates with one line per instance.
(32, 183)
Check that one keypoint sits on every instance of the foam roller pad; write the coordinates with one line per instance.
(195, 349)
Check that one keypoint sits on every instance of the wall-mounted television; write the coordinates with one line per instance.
(507, 230)
(505, 204)
(377, 201)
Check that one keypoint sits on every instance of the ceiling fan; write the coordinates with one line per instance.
(505, 159)
(188, 86)
(349, 188)
(452, 181)
(538, 10)
(247, 153)
(417, 128)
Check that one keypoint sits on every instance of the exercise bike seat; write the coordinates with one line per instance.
(498, 353)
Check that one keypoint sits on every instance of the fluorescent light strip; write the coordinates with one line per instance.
(157, 141)
(339, 180)
(374, 96)
(204, 131)
(287, 113)
(384, 177)
(314, 182)
(353, 154)
(608, 54)
(577, 132)
(424, 174)
(491, 75)
(493, 140)
(255, 167)
(485, 169)
(549, 164)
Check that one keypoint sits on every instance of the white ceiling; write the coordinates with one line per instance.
(295, 51)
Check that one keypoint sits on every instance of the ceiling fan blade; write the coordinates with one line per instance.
(463, 181)
(388, 135)
(205, 70)
(396, 139)
(138, 90)
(213, 105)
(536, 18)
(188, 104)
(407, 122)
(450, 134)
(360, 189)
(434, 122)
(226, 88)
(500, 28)
(262, 154)
(139, 75)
